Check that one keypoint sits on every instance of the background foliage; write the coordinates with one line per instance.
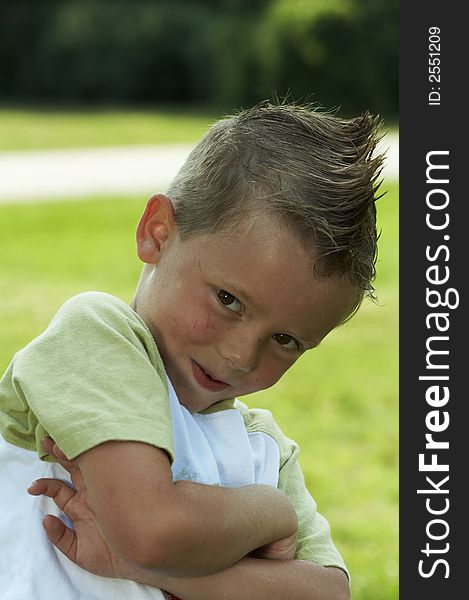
(222, 52)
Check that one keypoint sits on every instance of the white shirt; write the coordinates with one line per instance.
(213, 449)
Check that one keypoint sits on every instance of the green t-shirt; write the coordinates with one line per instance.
(95, 375)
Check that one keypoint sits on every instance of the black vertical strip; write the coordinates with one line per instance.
(434, 254)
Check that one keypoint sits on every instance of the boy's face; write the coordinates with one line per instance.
(231, 312)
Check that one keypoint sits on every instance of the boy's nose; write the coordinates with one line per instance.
(243, 356)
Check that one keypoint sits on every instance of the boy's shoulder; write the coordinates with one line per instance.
(102, 317)
(93, 302)
(92, 323)
(92, 309)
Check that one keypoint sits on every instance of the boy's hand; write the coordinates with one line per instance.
(85, 545)
(280, 550)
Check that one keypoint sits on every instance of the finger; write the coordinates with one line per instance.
(60, 535)
(59, 455)
(49, 446)
(58, 490)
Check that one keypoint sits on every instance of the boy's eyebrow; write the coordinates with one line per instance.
(233, 288)
(242, 295)
(239, 292)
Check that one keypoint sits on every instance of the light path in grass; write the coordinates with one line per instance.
(68, 174)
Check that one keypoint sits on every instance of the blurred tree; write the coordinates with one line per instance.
(231, 52)
(338, 52)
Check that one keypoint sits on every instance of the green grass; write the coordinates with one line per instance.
(339, 402)
(33, 129)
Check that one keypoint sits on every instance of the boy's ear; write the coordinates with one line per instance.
(154, 228)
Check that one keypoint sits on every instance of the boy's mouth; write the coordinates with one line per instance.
(204, 379)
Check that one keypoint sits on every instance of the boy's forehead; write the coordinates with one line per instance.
(261, 229)
(261, 246)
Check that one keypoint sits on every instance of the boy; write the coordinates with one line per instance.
(264, 243)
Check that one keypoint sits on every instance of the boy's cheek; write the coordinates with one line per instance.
(202, 328)
(265, 379)
(197, 326)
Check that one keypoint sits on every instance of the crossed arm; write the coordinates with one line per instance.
(193, 540)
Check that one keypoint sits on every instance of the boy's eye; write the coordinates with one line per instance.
(286, 341)
(229, 301)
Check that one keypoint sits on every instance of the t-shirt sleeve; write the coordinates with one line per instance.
(315, 543)
(314, 535)
(93, 376)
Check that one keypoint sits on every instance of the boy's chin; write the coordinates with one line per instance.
(195, 407)
(195, 403)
